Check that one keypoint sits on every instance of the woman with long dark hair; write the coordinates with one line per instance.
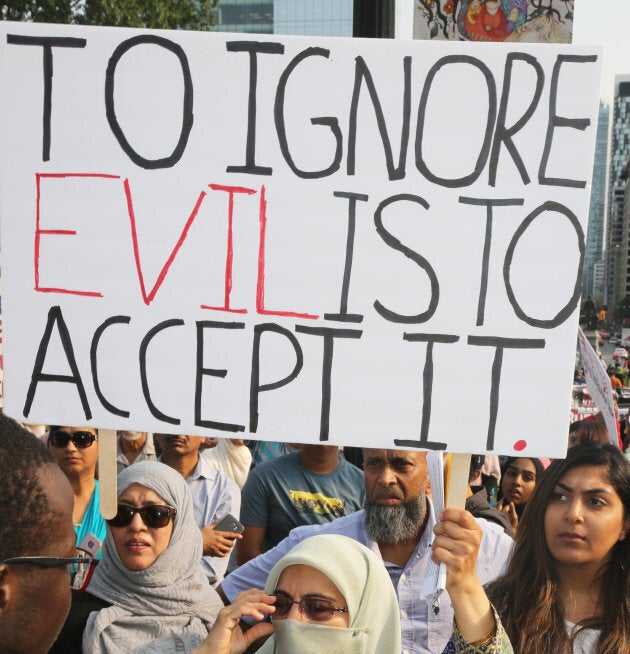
(76, 451)
(567, 586)
(518, 480)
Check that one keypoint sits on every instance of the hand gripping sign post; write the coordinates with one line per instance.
(449, 484)
(302, 239)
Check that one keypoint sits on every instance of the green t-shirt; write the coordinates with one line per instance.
(282, 494)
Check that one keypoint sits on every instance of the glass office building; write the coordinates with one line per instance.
(244, 16)
(617, 278)
(308, 17)
(597, 210)
(313, 17)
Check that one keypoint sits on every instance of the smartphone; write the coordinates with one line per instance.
(229, 523)
(90, 544)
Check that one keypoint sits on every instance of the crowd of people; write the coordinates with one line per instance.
(593, 427)
(220, 546)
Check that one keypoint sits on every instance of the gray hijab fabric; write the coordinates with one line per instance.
(361, 577)
(170, 606)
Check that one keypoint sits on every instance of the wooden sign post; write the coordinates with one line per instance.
(107, 472)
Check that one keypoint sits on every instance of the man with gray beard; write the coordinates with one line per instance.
(397, 525)
(394, 524)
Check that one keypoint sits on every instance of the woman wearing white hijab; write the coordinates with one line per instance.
(334, 595)
(155, 595)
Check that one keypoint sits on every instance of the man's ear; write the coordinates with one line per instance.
(7, 581)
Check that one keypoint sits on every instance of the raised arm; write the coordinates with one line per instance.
(456, 545)
(227, 636)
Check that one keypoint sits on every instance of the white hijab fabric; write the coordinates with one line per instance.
(361, 577)
(232, 460)
(169, 607)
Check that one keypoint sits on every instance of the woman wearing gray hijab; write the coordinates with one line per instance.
(150, 583)
(328, 594)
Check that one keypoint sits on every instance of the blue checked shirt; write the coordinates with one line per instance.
(423, 630)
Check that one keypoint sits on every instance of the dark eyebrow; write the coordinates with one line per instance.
(521, 470)
(321, 596)
(592, 491)
(315, 595)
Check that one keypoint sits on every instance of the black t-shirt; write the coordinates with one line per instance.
(70, 640)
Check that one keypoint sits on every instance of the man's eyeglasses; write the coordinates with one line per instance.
(80, 568)
(154, 516)
(314, 608)
(80, 439)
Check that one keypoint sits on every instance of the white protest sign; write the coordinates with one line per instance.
(298, 239)
(598, 384)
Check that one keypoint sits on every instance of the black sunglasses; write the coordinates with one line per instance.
(314, 608)
(80, 439)
(79, 568)
(154, 516)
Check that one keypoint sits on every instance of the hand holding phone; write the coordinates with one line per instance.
(218, 539)
(229, 523)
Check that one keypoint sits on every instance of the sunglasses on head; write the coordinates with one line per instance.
(314, 608)
(80, 439)
(154, 516)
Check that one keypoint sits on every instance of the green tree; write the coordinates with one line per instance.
(153, 14)
(39, 11)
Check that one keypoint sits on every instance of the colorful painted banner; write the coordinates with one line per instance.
(484, 21)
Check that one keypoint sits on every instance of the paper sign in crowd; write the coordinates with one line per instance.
(598, 384)
(299, 239)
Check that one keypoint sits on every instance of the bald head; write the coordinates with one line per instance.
(36, 521)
